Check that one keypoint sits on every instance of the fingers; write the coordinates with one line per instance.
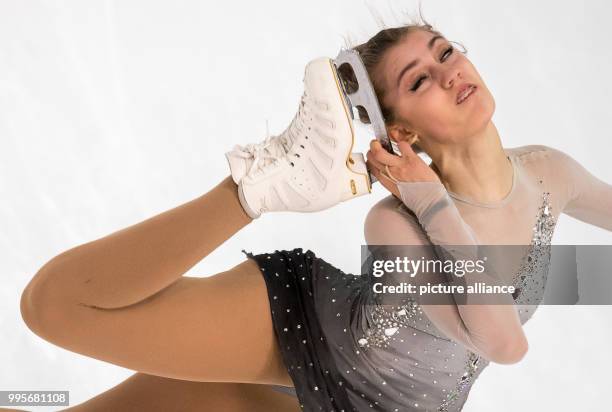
(371, 160)
(382, 156)
(376, 171)
(377, 158)
(406, 150)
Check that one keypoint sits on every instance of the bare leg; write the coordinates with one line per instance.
(123, 299)
(131, 264)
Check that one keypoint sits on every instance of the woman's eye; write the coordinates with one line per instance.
(449, 51)
(446, 53)
(418, 83)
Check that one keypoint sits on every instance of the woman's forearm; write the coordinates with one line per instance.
(494, 325)
(134, 263)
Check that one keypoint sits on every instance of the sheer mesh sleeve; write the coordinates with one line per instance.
(492, 331)
(587, 198)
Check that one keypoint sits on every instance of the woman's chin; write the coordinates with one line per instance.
(483, 110)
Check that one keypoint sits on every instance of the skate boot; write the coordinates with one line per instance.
(318, 169)
(243, 159)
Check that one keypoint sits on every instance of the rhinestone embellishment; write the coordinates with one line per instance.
(464, 380)
(387, 323)
(537, 259)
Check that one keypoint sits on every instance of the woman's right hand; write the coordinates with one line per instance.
(409, 167)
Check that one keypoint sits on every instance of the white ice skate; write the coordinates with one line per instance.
(317, 170)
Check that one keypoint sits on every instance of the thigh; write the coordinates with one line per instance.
(211, 329)
(142, 392)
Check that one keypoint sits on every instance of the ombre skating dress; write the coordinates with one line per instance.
(347, 351)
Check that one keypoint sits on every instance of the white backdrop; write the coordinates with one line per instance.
(114, 111)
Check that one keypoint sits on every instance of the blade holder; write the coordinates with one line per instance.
(364, 96)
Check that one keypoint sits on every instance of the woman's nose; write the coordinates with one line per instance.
(451, 76)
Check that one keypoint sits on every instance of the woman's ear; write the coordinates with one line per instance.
(401, 134)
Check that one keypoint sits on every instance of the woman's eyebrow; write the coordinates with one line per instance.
(413, 63)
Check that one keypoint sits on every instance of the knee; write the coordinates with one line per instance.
(38, 308)
(27, 309)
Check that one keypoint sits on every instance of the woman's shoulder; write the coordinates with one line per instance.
(549, 162)
(529, 152)
(538, 153)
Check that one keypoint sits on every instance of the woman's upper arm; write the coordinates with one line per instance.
(389, 222)
(588, 198)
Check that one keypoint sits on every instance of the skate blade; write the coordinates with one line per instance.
(358, 92)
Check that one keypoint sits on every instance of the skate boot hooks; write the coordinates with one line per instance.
(309, 167)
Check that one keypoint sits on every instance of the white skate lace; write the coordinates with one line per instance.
(297, 124)
(263, 153)
(274, 147)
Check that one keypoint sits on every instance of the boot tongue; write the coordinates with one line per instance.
(283, 139)
(290, 134)
(286, 141)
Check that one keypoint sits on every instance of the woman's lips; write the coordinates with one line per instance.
(470, 88)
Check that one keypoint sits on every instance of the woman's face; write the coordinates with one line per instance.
(421, 76)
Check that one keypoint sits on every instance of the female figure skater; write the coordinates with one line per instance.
(290, 319)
